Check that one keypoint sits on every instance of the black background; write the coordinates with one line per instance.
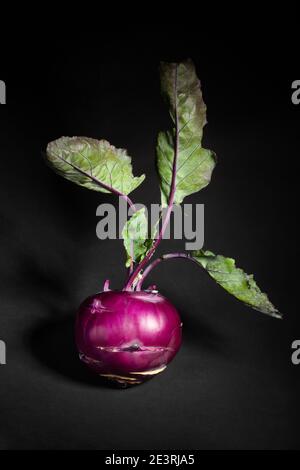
(232, 386)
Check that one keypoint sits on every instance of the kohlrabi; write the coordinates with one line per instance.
(131, 334)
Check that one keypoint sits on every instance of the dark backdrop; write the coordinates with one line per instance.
(233, 384)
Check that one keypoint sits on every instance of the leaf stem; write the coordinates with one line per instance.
(158, 261)
(100, 183)
(134, 275)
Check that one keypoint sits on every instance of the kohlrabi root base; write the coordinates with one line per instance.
(127, 337)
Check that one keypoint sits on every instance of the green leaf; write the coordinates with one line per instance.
(180, 150)
(94, 164)
(235, 281)
(135, 235)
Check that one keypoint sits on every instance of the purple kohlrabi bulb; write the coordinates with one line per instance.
(127, 337)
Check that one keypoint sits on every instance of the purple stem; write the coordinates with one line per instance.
(158, 261)
(106, 285)
(150, 253)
